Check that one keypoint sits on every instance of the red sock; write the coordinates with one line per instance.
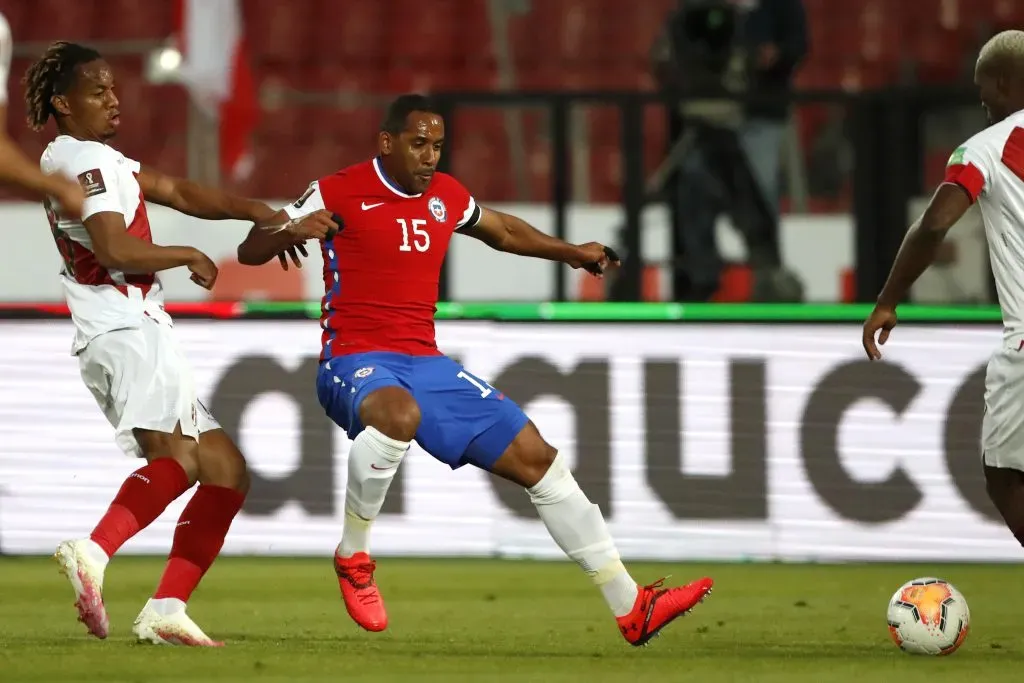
(143, 496)
(198, 539)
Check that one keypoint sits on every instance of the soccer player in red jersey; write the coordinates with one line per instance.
(126, 349)
(383, 379)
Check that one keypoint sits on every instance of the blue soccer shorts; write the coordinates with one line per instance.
(463, 419)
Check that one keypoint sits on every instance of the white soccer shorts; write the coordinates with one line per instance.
(141, 380)
(1002, 429)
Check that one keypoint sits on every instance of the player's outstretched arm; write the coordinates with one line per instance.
(16, 169)
(280, 234)
(513, 235)
(115, 249)
(918, 251)
(200, 201)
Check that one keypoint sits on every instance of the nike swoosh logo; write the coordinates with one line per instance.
(382, 468)
(367, 207)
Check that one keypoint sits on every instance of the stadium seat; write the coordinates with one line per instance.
(355, 30)
(169, 154)
(19, 16)
(592, 289)
(268, 282)
(606, 173)
(280, 32)
(50, 20)
(132, 20)
(736, 284)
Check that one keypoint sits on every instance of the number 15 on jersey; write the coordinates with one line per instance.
(420, 237)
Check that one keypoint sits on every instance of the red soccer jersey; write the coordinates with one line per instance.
(382, 268)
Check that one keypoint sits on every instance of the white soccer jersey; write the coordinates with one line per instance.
(100, 299)
(990, 168)
(6, 51)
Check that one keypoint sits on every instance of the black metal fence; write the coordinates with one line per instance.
(885, 128)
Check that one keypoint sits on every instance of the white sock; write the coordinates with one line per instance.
(579, 530)
(372, 463)
(95, 552)
(166, 606)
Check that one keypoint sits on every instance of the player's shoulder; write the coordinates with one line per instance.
(75, 157)
(70, 153)
(445, 183)
(350, 179)
(65, 148)
(995, 137)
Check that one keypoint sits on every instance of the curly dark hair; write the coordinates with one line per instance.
(53, 74)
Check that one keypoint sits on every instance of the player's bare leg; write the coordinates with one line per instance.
(1006, 491)
(172, 467)
(391, 418)
(198, 538)
(580, 531)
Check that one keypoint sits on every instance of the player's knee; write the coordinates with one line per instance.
(537, 462)
(181, 449)
(235, 475)
(221, 463)
(393, 412)
(528, 459)
(555, 484)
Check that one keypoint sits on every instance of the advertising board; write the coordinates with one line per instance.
(698, 441)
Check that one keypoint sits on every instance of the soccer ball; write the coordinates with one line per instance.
(928, 616)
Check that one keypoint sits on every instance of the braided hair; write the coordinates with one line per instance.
(53, 74)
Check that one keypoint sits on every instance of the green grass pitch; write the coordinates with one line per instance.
(490, 620)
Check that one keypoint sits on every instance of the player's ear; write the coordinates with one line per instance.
(385, 142)
(60, 104)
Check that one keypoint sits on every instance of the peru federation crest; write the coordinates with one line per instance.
(437, 209)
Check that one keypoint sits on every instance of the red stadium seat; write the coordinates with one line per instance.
(268, 282)
(280, 32)
(19, 15)
(354, 30)
(280, 171)
(168, 153)
(419, 38)
(133, 20)
(606, 173)
(57, 19)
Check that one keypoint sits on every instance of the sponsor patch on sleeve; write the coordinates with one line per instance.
(92, 182)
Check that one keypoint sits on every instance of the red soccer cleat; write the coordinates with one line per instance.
(359, 590)
(656, 607)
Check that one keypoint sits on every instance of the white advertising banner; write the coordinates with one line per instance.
(757, 442)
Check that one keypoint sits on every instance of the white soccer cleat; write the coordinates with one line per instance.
(175, 628)
(85, 573)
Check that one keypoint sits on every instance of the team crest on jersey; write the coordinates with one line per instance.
(363, 372)
(437, 209)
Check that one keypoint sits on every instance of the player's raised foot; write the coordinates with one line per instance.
(81, 562)
(168, 624)
(656, 607)
(360, 592)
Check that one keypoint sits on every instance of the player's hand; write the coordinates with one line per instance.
(204, 270)
(319, 225)
(880, 322)
(595, 258)
(293, 252)
(71, 197)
